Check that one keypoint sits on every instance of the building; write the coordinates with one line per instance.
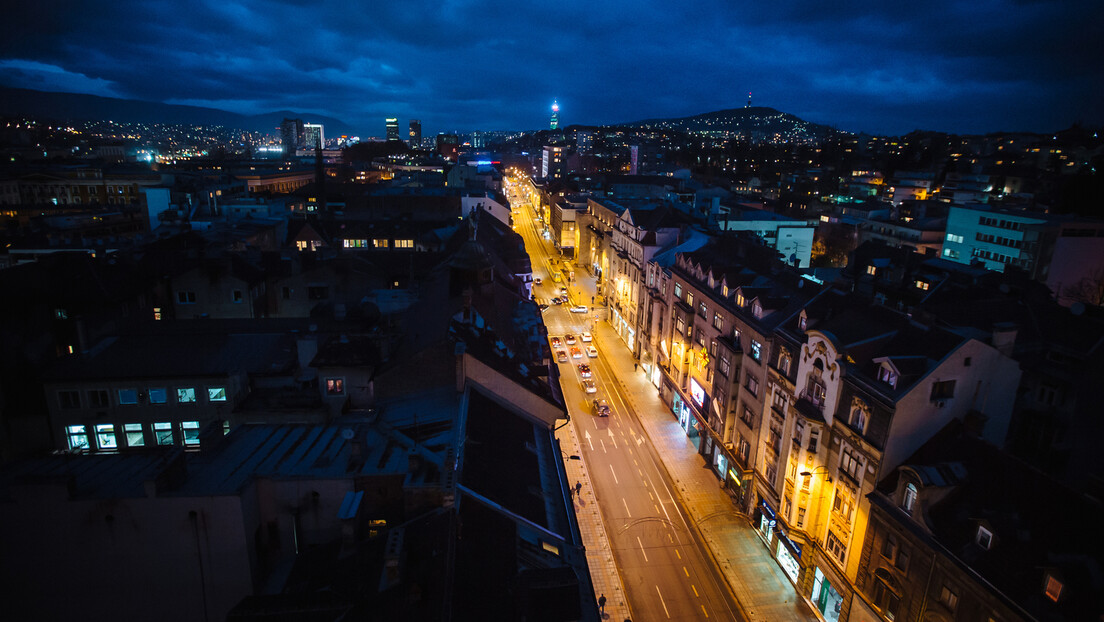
(392, 128)
(291, 135)
(415, 136)
(552, 162)
(792, 238)
(313, 135)
(554, 123)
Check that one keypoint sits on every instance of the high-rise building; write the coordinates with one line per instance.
(313, 135)
(448, 146)
(555, 124)
(415, 133)
(291, 135)
(393, 128)
(552, 162)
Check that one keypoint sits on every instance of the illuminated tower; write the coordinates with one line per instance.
(555, 124)
(392, 128)
(749, 100)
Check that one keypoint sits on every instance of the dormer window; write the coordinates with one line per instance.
(724, 291)
(871, 270)
(909, 500)
(757, 309)
(984, 538)
(802, 323)
(740, 300)
(1053, 588)
(888, 376)
(922, 285)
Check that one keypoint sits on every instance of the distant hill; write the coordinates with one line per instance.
(79, 107)
(756, 122)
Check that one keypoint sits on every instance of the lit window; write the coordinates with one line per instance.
(78, 437)
(185, 396)
(835, 546)
(335, 386)
(678, 290)
(718, 321)
(871, 270)
(984, 537)
(909, 500)
(922, 285)
(163, 433)
(128, 396)
(380, 242)
(134, 435)
(157, 313)
(740, 300)
(1053, 588)
(216, 394)
(158, 395)
(948, 597)
(756, 350)
(404, 243)
(189, 431)
(887, 376)
(105, 436)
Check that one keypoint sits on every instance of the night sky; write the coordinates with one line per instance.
(881, 67)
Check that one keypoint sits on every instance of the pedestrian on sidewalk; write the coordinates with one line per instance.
(636, 366)
(602, 604)
(578, 487)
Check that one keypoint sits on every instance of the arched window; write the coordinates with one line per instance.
(858, 419)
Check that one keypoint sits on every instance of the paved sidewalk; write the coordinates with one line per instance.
(763, 590)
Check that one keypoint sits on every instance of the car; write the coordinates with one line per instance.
(563, 290)
(561, 356)
(570, 339)
(601, 407)
(576, 353)
(557, 342)
(588, 386)
(579, 309)
(537, 281)
(584, 370)
(543, 307)
(592, 352)
(555, 301)
(587, 338)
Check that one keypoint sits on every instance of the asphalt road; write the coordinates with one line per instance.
(666, 571)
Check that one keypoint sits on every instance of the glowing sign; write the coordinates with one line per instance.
(697, 393)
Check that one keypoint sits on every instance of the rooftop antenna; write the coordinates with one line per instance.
(749, 100)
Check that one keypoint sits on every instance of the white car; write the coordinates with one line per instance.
(586, 337)
(592, 352)
(579, 309)
(588, 386)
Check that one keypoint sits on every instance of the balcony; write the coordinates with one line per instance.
(810, 406)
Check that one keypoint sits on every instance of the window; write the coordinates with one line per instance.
(922, 285)
(237, 295)
(752, 385)
(887, 376)
(78, 437)
(216, 394)
(157, 313)
(902, 559)
(718, 321)
(318, 292)
(740, 300)
(889, 547)
(97, 398)
(380, 242)
(1053, 588)
(186, 298)
(690, 299)
(105, 436)
(802, 323)
(942, 390)
(69, 399)
(404, 243)
(678, 290)
(858, 419)
(835, 546)
(909, 500)
(744, 450)
(189, 431)
(748, 418)
(778, 400)
(814, 436)
(871, 270)
(984, 537)
(844, 502)
(702, 310)
(186, 395)
(680, 325)
(757, 308)
(851, 464)
(134, 435)
(724, 365)
(784, 361)
(158, 395)
(286, 293)
(885, 595)
(128, 396)
(756, 350)
(948, 597)
(701, 339)
(801, 515)
(163, 433)
(335, 386)
(954, 238)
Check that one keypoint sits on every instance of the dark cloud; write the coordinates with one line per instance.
(887, 67)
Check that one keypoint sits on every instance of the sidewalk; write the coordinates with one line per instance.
(764, 592)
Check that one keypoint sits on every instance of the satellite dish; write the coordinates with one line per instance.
(347, 434)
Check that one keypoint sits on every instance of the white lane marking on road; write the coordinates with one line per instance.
(603, 444)
(640, 472)
(656, 507)
(651, 496)
(626, 507)
(614, 475)
(587, 435)
(662, 601)
(635, 462)
(642, 551)
(612, 439)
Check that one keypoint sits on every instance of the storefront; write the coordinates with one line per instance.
(622, 327)
(788, 554)
(767, 521)
(825, 597)
(720, 463)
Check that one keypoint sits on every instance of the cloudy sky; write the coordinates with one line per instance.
(882, 67)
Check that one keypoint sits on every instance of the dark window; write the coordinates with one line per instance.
(237, 295)
(286, 293)
(69, 399)
(942, 390)
(318, 292)
(98, 398)
(186, 298)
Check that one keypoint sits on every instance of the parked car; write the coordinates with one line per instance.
(592, 352)
(588, 386)
(579, 309)
(584, 370)
(601, 407)
(586, 337)
(561, 356)
(576, 353)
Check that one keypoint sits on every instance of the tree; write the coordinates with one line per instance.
(1089, 290)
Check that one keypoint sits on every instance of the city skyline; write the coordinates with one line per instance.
(957, 67)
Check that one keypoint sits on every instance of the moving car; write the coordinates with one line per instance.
(587, 338)
(601, 407)
(537, 281)
(576, 353)
(563, 290)
(570, 339)
(561, 356)
(543, 307)
(557, 342)
(556, 301)
(592, 352)
(579, 309)
(588, 386)
(584, 370)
